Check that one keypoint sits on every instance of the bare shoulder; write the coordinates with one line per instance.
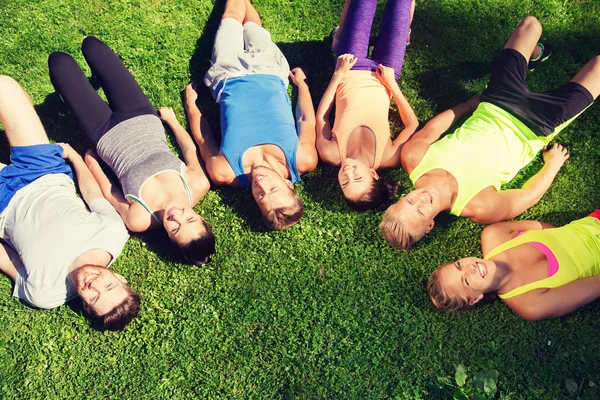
(307, 158)
(483, 207)
(138, 219)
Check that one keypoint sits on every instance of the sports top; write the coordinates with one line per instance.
(361, 100)
(137, 150)
(576, 247)
(488, 149)
(256, 110)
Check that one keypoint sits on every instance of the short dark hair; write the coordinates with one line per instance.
(284, 217)
(379, 195)
(120, 316)
(198, 251)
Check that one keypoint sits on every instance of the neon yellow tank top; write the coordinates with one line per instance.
(576, 247)
(488, 149)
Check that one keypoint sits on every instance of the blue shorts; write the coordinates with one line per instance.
(28, 163)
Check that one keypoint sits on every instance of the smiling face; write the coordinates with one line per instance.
(100, 289)
(417, 210)
(355, 178)
(468, 278)
(270, 190)
(182, 223)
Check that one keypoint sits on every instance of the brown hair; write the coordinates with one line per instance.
(198, 251)
(396, 233)
(379, 195)
(284, 217)
(120, 316)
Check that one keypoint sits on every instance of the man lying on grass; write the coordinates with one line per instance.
(463, 172)
(261, 147)
(56, 249)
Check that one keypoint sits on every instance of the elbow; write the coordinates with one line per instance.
(531, 313)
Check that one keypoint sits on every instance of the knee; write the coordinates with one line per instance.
(235, 14)
(530, 23)
(58, 60)
(88, 44)
(595, 65)
(8, 85)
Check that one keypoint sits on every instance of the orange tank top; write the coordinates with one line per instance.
(361, 100)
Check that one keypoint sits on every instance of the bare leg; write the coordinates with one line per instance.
(235, 9)
(343, 18)
(412, 10)
(589, 76)
(525, 38)
(251, 14)
(21, 123)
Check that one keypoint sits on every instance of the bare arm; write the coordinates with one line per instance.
(556, 302)
(327, 149)
(184, 140)
(496, 234)
(217, 167)
(307, 157)
(87, 184)
(416, 147)
(10, 262)
(407, 115)
(136, 220)
(495, 206)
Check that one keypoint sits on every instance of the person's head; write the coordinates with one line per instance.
(106, 297)
(363, 188)
(407, 221)
(191, 234)
(279, 205)
(460, 285)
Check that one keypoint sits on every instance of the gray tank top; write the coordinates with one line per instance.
(136, 150)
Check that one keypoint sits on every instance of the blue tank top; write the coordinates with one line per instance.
(256, 110)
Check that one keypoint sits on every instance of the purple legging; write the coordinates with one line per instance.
(391, 43)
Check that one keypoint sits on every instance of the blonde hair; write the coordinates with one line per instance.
(440, 298)
(396, 233)
(284, 217)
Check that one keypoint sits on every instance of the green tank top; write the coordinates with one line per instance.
(488, 149)
(576, 247)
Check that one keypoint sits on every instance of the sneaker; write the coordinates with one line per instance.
(544, 55)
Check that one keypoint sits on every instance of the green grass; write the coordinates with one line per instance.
(325, 309)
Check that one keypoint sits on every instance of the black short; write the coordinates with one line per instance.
(541, 112)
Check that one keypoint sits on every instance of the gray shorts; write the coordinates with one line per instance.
(244, 50)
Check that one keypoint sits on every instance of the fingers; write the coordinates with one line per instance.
(166, 113)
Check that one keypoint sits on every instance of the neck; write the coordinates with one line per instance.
(171, 197)
(268, 162)
(362, 155)
(445, 193)
(99, 257)
(502, 276)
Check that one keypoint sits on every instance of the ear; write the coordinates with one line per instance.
(86, 307)
(374, 174)
(430, 227)
(289, 183)
(121, 278)
(475, 300)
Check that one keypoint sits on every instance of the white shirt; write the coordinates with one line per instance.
(49, 227)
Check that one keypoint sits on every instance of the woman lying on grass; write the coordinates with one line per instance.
(158, 189)
(359, 141)
(540, 271)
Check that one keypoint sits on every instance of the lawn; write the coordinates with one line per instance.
(325, 309)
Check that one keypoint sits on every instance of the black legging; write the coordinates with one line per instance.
(125, 98)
